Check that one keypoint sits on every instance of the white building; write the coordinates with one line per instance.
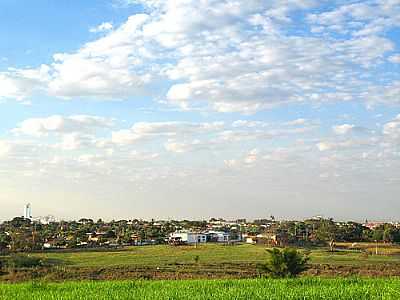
(28, 211)
(188, 237)
(46, 219)
(218, 236)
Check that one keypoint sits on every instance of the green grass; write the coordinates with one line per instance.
(351, 258)
(162, 255)
(305, 288)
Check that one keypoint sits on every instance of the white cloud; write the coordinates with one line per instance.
(112, 67)
(20, 84)
(125, 137)
(388, 93)
(348, 144)
(103, 27)
(252, 156)
(297, 122)
(75, 140)
(325, 146)
(392, 128)
(181, 147)
(343, 129)
(224, 56)
(350, 128)
(143, 130)
(5, 148)
(394, 59)
(230, 163)
(143, 156)
(360, 19)
(61, 124)
(249, 124)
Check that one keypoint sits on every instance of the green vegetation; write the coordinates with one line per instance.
(160, 255)
(24, 235)
(307, 288)
(285, 263)
(23, 261)
(208, 261)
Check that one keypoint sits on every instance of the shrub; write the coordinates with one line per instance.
(285, 263)
(24, 261)
(196, 259)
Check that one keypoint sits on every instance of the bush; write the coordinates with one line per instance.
(285, 263)
(24, 261)
(196, 259)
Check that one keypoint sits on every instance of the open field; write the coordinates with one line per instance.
(162, 255)
(305, 288)
(211, 261)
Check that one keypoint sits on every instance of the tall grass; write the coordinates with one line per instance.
(304, 288)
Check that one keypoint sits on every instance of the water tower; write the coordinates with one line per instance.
(28, 211)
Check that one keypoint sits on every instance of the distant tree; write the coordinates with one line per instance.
(391, 234)
(20, 222)
(285, 263)
(110, 234)
(4, 242)
(142, 235)
(86, 221)
(326, 230)
(377, 234)
(350, 232)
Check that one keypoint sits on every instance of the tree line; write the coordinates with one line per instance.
(21, 234)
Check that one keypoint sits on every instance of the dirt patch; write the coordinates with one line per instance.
(185, 271)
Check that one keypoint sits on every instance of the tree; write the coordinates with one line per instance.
(4, 242)
(285, 263)
(326, 230)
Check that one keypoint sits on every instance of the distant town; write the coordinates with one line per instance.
(27, 233)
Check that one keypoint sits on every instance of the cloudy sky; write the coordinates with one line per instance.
(200, 108)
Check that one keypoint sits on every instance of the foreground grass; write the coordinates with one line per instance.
(162, 255)
(305, 288)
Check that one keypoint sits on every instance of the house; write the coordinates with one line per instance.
(217, 236)
(54, 244)
(187, 237)
(95, 237)
(49, 245)
(373, 225)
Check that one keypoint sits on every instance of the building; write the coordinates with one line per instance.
(28, 211)
(187, 237)
(251, 240)
(273, 238)
(373, 225)
(46, 219)
(217, 236)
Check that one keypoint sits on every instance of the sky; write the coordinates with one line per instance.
(194, 109)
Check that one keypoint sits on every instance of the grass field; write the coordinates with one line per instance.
(305, 288)
(162, 255)
(211, 261)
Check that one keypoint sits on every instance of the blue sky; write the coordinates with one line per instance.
(149, 108)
